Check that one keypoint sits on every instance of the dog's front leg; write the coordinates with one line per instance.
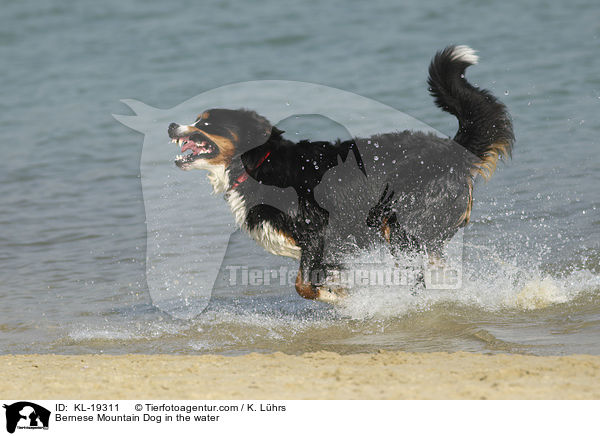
(312, 275)
(313, 221)
(311, 270)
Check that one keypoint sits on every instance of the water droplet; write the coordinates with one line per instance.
(287, 103)
(376, 158)
(506, 92)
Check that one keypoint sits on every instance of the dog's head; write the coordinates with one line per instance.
(217, 136)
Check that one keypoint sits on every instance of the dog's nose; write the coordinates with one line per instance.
(172, 128)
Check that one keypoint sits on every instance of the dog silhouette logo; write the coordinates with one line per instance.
(26, 415)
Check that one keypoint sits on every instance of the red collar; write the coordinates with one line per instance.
(244, 176)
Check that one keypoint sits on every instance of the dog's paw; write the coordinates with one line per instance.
(328, 294)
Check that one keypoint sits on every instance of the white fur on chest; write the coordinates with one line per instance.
(265, 234)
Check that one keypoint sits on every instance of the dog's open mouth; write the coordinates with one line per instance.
(198, 146)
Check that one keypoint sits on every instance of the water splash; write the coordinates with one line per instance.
(488, 284)
(502, 306)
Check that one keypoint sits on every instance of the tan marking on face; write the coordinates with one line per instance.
(226, 148)
(233, 135)
(203, 116)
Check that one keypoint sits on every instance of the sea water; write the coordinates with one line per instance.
(73, 225)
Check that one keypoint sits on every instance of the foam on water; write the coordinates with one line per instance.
(126, 330)
(488, 284)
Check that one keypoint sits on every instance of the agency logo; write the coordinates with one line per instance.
(26, 415)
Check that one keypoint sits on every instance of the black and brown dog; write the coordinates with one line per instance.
(305, 199)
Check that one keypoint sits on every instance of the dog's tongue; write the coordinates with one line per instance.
(190, 145)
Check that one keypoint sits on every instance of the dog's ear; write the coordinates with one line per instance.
(276, 132)
(254, 130)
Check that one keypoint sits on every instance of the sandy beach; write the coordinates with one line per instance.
(319, 375)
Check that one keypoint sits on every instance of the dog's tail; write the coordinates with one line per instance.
(484, 124)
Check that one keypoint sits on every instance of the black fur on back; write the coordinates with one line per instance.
(311, 189)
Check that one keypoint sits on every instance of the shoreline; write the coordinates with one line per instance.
(317, 375)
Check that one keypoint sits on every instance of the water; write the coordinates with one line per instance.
(73, 232)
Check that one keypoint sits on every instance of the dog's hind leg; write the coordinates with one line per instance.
(383, 215)
(409, 250)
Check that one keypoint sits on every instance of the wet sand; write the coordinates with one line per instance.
(319, 375)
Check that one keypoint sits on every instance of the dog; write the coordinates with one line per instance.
(410, 190)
